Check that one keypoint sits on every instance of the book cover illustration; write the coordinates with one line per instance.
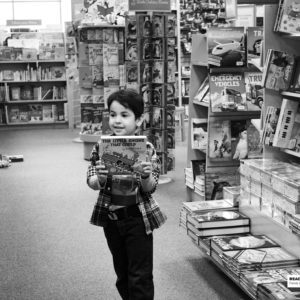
(285, 123)
(239, 140)
(14, 114)
(110, 55)
(91, 35)
(158, 138)
(108, 35)
(203, 206)
(294, 143)
(170, 138)
(254, 90)
(131, 50)
(85, 77)
(170, 117)
(146, 72)
(199, 133)
(255, 36)
(215, 182)
(47, 113)
(158, 95)
(171, 77)
(255, 149)
(289, 17)
(158, 72)
(157, 117)
(83, 54)
(146, 92)
(249, 241)
(97, 76)
(171, 46)
(227, 92)
(158, 48)
(270, 124)
(279, 70)
(226, 45)
(95, 54)
(111, 76)
(158, 25)
(123, 154)
(219, 145)
(145, 25)
(171, 25)
(131, 27)
(146, 119)
(217, 219)
(24, 113)
(171, 92)
(58, 73)
(35, 113)
(146, 48)
(132, 72)
(295, 82)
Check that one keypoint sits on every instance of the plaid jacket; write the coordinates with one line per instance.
(152, 215)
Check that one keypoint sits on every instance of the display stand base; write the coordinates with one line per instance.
(163, 179)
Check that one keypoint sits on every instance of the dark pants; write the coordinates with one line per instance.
(132, 251)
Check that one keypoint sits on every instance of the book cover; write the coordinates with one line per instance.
(255, 35)
(13, 114)
(215, 183)
(131, 27)
(131, 50)
(110, 55)
(145, 72)
(158, 139)
(294, 143)
(158, 72)
(131, 72)
(85, 77)
(278, 71)
(108, 35)
(289, 17)
(158, 48)
(171, 46)
(238, 242)
(97, 76)
(227, 44)
(170, 138)
(145, 25)
(278, 290)
(111, 76)
(254, 90)
(171, 71)
(58, 73)
(95, 54)
(146, 48)
(219, 145)
(218, 231)
(158, 117)
(204, 206)
(270, 124)
(35, 113)
(47, 113)
(199, 133)
(202, 90)
(24, 113)
(83, 54)
(170, 117)
(123, 154)
(171, 25)
(146, 92)
(285, 123)
(295, 82)
(220, 218)
(158, 95)
(227, 92)
(255, 149)
(239, 139)
(158, 25)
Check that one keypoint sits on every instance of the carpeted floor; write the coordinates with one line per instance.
(50, 251)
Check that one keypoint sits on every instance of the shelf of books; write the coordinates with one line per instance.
(33, 85)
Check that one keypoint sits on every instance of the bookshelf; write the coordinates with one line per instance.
(260, 222)
(33, 92)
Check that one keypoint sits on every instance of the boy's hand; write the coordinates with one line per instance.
(146, 169)
(101, 171)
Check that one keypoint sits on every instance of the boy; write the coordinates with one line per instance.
(128, 221)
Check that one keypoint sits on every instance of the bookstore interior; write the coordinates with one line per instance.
(226, 70)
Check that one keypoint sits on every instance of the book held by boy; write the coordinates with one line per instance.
(123, 154)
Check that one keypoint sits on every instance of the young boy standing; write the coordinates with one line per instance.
(128, 221)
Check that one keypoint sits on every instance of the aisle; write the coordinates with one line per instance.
(50, 251)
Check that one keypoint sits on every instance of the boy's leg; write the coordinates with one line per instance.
(117, 248)
(140, 261)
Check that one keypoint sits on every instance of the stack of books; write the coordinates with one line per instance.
(239, 261)
(189, 178)
(199, 186)
(294, 224)
(251, 281)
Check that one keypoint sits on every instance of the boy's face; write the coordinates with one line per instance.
(121, 119)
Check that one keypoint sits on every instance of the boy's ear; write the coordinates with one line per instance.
(139, 121)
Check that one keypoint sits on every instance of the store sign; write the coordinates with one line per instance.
(23, 22)
(146, 5)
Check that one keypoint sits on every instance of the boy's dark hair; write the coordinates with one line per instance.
(129, 98)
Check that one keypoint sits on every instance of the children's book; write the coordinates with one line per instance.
(85, 77)
(270, 124)
(158, 95)
(158, 72)
(123, 154)
(219, 145)
(110, 55)
(132, 72)
(205, 206)
(254, 42)
(145, 25)
(108, 35)
(255, 149)
(171, 46)
(97, 76)
(199, 133)
(158, 117)
(285, 123)
(131, 50)
(202, 90)
(171, 71)
(278, 71)
(237, 242)
(239, 140)
(227, 45)
(111, 76)
(294, 143)
(227, 92)
(145, 72)
(58, 73)
(254, 90)
(171, 25)
(158, 48)
(218, 218)
(146, 48)
(288, 17)
(131, 27)
(95, 54)
(158, 25)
